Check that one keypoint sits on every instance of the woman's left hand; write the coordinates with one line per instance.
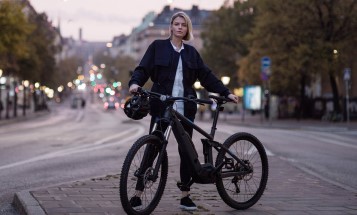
(233, 97)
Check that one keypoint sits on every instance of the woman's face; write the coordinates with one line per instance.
(179, 27)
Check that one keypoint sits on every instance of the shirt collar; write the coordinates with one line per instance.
(175, 48)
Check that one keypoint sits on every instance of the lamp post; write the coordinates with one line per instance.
(347, 78)
(2, 81)
(25, 84)
(14, 83)
(225, 80)
(201, 108)
(7, 101)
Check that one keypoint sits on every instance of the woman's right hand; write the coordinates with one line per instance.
(133, 88)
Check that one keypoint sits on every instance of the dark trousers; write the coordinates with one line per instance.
(151, 152)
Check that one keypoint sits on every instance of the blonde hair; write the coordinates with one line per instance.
(189, 34)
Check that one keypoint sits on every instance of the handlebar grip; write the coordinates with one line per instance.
(204, 101)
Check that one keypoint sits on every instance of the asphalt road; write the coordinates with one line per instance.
(73, 144)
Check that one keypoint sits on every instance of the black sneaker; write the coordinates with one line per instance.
(187, 204)
(135, 202)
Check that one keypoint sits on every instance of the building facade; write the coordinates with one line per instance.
(156, 26)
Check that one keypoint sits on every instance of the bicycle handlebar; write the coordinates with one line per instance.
(172, 98)
(218, 99)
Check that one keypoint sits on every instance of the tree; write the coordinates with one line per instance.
(67, 69)
(42, 59)
(223, 37)
(116, 69)
(337, 23)
(300, 37)
(125, 64)
(14, 30)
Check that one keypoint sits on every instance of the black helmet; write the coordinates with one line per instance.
(137, 107)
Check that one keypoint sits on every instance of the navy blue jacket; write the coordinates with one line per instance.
(159, 64)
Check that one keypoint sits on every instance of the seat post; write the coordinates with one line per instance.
(215, 119)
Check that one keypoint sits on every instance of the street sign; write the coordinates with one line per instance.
(347, 74)
(266, 61)
(265, 68)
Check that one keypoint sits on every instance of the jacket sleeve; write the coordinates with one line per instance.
(142, 72)
(208, 80)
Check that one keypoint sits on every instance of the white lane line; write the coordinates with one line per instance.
(132, 134)
(334, 142)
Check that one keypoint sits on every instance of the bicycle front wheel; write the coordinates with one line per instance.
(242, 191)
(137, 175)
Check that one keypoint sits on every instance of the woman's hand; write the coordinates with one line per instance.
(233, 97)
(133, 88)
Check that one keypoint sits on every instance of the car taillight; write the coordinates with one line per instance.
(106, 105)
(116, 105)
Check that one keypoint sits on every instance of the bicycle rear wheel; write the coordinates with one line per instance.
(242, 192)
(137, 174)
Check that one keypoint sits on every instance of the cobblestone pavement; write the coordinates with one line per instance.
(289, 191)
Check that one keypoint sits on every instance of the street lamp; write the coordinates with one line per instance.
(225, 80)
(25, 84)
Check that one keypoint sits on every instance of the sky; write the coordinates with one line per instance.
(101, 20)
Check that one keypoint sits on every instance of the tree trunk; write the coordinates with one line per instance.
(336, 104)
(301, 110)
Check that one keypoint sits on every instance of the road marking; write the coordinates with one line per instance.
(125, 136)
(80, 116)
(335, 143)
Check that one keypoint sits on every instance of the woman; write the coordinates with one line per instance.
(174, 67)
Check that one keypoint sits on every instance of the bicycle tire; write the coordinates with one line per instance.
(247, 189)
(153, 190)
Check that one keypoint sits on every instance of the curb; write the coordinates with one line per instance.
(26, 204)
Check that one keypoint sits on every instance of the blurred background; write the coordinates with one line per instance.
(285, 59)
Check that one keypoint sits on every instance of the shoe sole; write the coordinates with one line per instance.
(187, 208)
(140, 207)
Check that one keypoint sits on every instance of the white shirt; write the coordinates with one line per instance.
(177, 89)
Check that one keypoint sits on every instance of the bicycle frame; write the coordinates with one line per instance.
(145, 170)
(175, 121)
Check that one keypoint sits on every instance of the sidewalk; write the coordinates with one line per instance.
(289, 190)
(29, 115)
(257, 120)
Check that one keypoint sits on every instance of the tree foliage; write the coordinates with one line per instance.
(223, 37)
(27, 47)
(14, 30)
(300, 37)
(67, 69)
(116, 69)
(44, 51)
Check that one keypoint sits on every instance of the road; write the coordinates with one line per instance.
(66, 145)
(73, 144)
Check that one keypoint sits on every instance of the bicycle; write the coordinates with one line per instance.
(240, 172)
